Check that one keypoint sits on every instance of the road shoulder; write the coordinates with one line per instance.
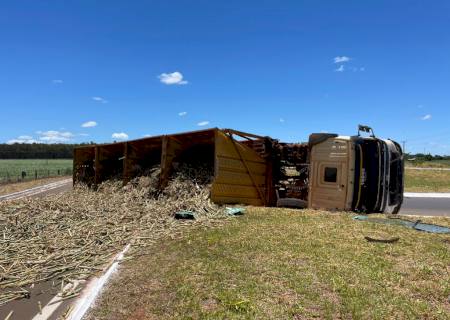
(9, 188)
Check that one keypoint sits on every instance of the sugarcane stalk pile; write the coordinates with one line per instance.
(71, 236)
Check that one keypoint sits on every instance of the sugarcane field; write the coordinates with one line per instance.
(203, 160)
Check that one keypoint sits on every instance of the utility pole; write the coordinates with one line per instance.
(404, 146)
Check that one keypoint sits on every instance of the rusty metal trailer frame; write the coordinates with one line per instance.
(242, 169)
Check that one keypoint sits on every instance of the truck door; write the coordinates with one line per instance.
(330, 181)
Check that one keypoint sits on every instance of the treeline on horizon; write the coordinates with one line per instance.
(426, 157)
(65, 151)
(38, 150)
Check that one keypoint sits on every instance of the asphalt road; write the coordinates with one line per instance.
(44, 292)
(426, 206)
(40, 191)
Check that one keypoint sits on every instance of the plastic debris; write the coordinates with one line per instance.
(234, 211)
(417, 225)
(185, 215)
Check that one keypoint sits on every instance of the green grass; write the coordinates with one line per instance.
(285, 264)
(427, 181)
(429, 164)
(13, 168)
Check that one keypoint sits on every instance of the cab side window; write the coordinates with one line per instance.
(330, 175)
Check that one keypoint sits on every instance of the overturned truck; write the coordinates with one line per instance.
(333, 172)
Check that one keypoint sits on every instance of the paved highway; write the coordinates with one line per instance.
(40, 191)
(426, 206)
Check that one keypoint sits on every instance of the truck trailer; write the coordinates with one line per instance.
(360, 173)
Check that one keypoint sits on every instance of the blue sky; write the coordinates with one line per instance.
(279, 68)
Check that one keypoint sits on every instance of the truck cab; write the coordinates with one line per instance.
(355, 173)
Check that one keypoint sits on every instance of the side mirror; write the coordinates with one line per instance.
(362, 128)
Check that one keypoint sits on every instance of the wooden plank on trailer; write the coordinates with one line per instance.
(170, 149)
(83, 159)
(225, 148)
(126, 164)
(239, 172)
(238, 178)
(231, 190)
(261, 192)
(139, 147)
(97, 167)
(237, 165)
(237, 200)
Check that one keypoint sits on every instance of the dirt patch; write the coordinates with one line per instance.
(209, 304)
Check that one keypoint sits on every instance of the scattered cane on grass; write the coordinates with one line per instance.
(74, 235)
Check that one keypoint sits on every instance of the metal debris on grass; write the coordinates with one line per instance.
(388, 240)
(187, 215)
(416, 225)
(69, 237)
(234, 211)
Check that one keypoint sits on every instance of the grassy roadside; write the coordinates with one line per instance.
(427, 181)
(429, 164)
(285, 264)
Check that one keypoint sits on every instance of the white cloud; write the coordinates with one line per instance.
(203, 123)
(281, 120)
(84, 134)
(25, 137)
(89, 124)
(340, 69)
(172, 78)
(341, 59)
(426, 117)
(50, 136)
(182, 114)
(57, 81)
(22, 139)
(100, 99)
(147, 135)
(119, 136)
(53, 136)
